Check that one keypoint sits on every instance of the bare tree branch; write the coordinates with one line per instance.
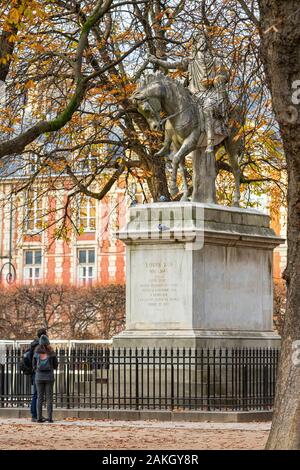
(249, 13)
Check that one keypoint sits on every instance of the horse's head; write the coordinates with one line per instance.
(147, 100)
(150, 108)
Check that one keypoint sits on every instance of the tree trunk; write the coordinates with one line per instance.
(280, 41)
(7, 45)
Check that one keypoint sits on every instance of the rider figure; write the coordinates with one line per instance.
(207, 81)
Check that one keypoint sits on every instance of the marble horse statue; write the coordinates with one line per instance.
(186, 128)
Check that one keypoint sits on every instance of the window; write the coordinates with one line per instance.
(32, 164)
(32, 266)
(87, 165)
(86, 266)
(34, 222)
(87, 214)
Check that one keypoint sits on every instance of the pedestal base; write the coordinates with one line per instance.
(199, 276)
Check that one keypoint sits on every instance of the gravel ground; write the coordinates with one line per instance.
(70, 434)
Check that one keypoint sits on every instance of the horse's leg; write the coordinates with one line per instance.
(183, 172)
(166, 146)
(233, 149)
(187, 147)
(237, 182)
(209, 131)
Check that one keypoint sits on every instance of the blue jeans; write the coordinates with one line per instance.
(33, 406)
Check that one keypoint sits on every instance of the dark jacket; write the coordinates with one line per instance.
(32, 346)
(45, 376)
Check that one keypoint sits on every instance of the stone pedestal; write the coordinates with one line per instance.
(198, 275)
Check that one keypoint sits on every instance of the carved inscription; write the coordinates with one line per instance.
(158, 289)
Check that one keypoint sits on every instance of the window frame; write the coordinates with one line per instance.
(86, 280)
(33, 279)
(87, 165)
(91, 204)
(36, 208)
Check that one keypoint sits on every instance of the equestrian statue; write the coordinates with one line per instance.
(197, 120)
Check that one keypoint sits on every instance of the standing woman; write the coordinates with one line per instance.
(44, 363)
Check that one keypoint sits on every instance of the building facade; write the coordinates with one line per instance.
(33, 252)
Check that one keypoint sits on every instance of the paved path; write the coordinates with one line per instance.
(76, 434)
(254, 426)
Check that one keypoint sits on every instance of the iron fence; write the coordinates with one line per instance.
(151, 379)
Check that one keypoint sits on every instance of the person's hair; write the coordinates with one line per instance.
(41, 331)
(45, 349)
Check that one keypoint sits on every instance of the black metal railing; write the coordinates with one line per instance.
(151, 379)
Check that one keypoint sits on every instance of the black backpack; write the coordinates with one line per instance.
(43, 365)
(26, 362)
